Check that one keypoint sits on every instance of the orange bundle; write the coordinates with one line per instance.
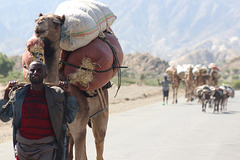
(92, 66)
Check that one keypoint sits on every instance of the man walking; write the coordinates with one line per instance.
(165, 87)
(40, 114)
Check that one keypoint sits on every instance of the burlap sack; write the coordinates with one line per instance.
(85, 20)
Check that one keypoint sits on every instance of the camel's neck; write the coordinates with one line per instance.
(190, 76)
(51, 56)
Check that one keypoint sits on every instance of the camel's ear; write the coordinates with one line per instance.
(59, 20)
(62, 19)
(40, 15)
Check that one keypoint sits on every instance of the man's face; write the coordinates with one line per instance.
(36, 72)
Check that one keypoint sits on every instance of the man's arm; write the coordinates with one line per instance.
(159, 83)
(71, 105)
(6, 107)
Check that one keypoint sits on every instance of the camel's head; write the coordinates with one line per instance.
(48, 24)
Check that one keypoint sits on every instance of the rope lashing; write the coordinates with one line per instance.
(86, 69)
(97, 112)
(39, 47)
(103, 103)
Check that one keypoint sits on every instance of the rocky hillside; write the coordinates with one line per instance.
(144, 63)
(231, 71)
(205, 56)
(18, 62)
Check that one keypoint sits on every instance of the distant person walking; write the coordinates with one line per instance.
(165, 87)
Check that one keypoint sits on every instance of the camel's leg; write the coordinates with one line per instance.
(99, 126)
(78, 132)
(70, 143)
(186, 90)
(173, 95)
(99, 132)
(176, 94)
(78, 127)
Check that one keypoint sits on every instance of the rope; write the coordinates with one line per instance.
(86, 69)
(12, 97)
(39, 47)
(103, 104)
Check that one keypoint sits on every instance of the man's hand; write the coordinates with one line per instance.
(8, 88)
(65, 86)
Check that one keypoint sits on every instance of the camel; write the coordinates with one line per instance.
(48, 27)
(202, 78)
(189, 85)
(175, 85)
(213, 77)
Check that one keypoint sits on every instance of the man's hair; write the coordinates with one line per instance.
(38, 61)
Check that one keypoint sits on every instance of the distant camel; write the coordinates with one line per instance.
(189, 84)
(49, 27)
(175, 85)
(202, 78)
(213, 77)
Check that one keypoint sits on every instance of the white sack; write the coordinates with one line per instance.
(85, 20)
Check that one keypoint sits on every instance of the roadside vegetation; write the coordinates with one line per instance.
(7, 71)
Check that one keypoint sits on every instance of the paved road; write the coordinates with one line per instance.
(173, 132)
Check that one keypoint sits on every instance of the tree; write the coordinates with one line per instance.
(6, 64)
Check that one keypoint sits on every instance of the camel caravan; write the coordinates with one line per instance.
(200, 82)
(77, 45)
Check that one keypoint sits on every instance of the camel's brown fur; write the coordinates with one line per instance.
(201, 80)
(49, 28)
(213, 79)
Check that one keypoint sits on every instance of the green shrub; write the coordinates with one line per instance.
(12, 76)
(236, 85)
(235, 70)
(6, 65)
(228, 71)
(225, 76)
(235, 77)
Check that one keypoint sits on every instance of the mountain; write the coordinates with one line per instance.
(169, 29)
(220, 51)
(144, 63)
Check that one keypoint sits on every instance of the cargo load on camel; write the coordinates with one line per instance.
(92, 66)
(91, 60)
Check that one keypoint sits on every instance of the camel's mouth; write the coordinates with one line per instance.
(41, 33)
